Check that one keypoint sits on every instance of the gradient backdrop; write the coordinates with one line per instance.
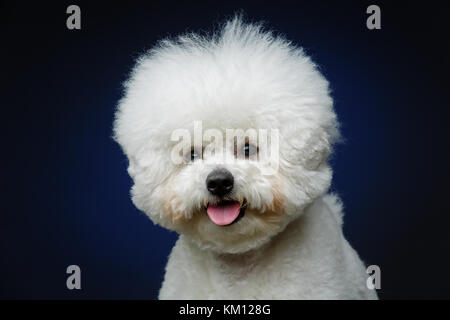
(65, 189)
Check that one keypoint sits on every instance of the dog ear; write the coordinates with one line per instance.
(319, 149)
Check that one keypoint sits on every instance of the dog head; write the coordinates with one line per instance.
(227, 135)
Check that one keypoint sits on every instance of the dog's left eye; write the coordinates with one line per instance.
(249, 150)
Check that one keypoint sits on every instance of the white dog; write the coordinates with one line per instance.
(246, 232)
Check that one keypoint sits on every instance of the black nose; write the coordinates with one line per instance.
(220, 182)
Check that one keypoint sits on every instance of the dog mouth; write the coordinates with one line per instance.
(226, 212)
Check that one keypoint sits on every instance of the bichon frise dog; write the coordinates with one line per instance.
(228, 137)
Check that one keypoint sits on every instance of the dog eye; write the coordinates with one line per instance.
(193, 155)
(249, 150)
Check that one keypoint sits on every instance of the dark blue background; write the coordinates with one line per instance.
(65, 189)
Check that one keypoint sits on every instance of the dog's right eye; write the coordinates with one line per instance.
(193, 155)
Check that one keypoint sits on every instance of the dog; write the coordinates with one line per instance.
(252, 224)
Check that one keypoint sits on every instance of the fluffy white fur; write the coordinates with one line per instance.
(289, 244)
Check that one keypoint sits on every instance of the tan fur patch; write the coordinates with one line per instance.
(175, 216)
(273, 215)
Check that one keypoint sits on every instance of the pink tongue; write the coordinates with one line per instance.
(224, 214)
